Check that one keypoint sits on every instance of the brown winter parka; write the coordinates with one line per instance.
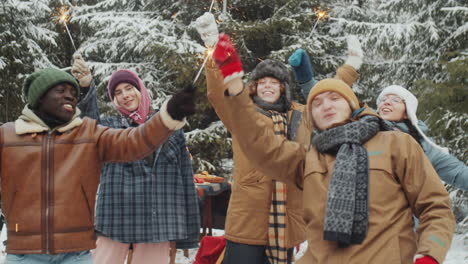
(250, 201)
(49, 178)
(402, 182)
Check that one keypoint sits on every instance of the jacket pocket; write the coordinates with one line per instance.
(85, 197)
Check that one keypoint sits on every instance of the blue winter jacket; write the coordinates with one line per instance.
(450, 169)
(150, 200)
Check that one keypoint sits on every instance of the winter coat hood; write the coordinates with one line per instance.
(29, 122)
(411, 105)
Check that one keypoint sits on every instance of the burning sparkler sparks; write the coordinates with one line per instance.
(321, 15)
(64, 17)
(208, 54)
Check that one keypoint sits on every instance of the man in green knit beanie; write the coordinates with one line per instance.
(51, 159)
(54, 112)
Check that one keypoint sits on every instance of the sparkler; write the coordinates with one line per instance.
(211, 6)
(321, 14)
(208, 29)
(209, 53)
(64, 17)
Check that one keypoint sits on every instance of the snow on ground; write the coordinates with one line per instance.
(458, 253)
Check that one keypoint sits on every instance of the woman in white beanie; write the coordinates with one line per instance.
(398, 106)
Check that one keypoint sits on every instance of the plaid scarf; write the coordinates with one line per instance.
(276, 249)
(346, 216)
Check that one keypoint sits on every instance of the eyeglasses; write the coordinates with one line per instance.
(393, 99)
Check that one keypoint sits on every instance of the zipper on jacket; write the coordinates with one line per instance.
(47, 191)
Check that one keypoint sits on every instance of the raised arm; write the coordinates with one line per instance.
(215, 91)
(88, 98)
(88, 103)
(304, 71)
(274, 155)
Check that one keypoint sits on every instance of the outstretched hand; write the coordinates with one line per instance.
(182, 104)
(227, 59)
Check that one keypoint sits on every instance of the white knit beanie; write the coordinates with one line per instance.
(411, 103)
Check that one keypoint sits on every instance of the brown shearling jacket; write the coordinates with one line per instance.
(49, 178)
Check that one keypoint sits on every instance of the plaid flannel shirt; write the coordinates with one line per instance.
(150, 200)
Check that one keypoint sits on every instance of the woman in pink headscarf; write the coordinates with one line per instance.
(147, 203)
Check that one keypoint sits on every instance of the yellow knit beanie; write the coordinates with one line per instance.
(333, 85)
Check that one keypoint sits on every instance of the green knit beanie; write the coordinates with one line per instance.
(38, 83)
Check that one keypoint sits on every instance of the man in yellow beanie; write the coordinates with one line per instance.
(51, 160)
(360, 191)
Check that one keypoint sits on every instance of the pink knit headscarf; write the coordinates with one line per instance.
(127, 76)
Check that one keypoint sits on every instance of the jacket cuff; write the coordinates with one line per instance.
(168, 121)
(417, 256)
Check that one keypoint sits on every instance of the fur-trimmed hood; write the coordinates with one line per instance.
(29, 123)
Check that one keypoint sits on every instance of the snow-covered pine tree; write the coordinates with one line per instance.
(26, 38)
(155, 42)
(443, 100)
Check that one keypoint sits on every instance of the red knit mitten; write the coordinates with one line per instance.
(425, 260)
(225, 56)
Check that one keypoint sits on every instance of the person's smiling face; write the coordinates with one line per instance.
(126, 96)
(59, 101)
(392, 108)
(269, 89)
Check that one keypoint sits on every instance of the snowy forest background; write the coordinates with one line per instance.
(419, 44)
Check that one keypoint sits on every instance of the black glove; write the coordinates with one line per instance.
(182, 104)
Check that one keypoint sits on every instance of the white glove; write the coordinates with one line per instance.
(208, 29)
(355, 53)
(80, 71)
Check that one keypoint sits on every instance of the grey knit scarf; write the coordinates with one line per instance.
(346, 216)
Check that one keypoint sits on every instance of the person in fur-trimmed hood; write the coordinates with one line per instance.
(398, 106)
(264, 219)
(359, 191)
(51, 160)
(251, 207)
